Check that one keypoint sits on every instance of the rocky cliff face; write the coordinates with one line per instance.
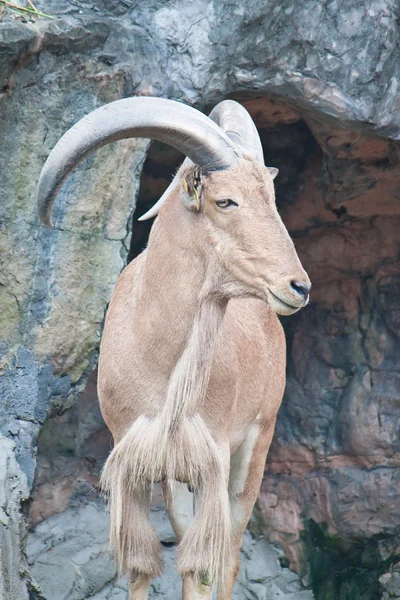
(321, 81)
(330, 496)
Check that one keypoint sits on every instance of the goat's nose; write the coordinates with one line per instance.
(301, 288)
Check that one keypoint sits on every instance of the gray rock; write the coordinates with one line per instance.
(162, 526)
(390, 584)
(68, 559)
(13, 490)
(315, 54)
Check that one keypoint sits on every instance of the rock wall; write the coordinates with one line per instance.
(321, 80)
(331, 494)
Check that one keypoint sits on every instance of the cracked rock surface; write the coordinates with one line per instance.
(13, 490)
(73, 544)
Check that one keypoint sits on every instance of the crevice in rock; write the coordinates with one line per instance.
(339, 212)
(343, 567)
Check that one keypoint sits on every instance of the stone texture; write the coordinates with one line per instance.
(73, 545)
(13, 490)
(321, 80)
(391, 584)
(334, 460)
(337, 59)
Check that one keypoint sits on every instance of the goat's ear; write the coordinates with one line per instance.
(191, 189)
(273, 171)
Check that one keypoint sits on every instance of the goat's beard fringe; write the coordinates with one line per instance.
(175, 445)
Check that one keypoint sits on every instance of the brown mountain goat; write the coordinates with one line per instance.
(192, 361)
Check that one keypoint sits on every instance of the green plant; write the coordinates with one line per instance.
(30, 9)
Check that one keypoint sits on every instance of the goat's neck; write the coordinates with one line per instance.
(178, 298)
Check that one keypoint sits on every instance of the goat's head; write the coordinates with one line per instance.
(223, 180)
(239, 226)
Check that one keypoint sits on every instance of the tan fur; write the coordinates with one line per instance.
(176, 445)
(192, 357)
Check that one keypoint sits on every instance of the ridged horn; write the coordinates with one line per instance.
(173, 123)
(237, 124)
(235, 121)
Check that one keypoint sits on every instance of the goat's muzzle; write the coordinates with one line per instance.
(289, 296)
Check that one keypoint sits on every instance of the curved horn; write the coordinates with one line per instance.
(155, 209)
(178, 125)
(236, 122)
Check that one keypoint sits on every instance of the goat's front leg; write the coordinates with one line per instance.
(246, 473)
(138, 586)
(180, 505)
(139, 528)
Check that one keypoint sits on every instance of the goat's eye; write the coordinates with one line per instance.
(226, 203)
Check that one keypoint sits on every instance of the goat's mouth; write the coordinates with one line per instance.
(281, 307)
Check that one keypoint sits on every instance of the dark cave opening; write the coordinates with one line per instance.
(160, 166)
